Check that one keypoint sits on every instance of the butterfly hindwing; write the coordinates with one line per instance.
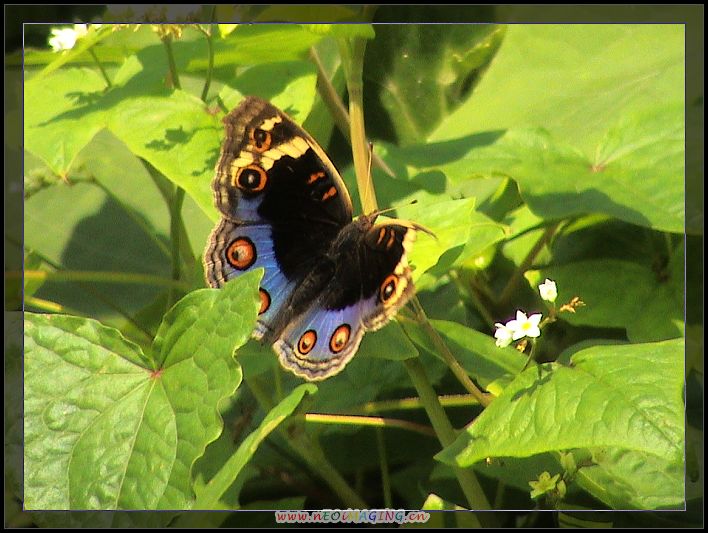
(371, 282)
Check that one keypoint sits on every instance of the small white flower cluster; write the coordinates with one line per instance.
(525, 326)
(65, 38)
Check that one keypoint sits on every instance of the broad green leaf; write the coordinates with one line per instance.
(61, 116)
(621, 397)
(573, 80)
(81, 228)
(623, 294)
(389, 343)
(288, 85)
(252, 44)
(176, 134)
(107, 427)
(628, 479)
(634, 174)
(460, 232)
(209, 496)
(421, 73)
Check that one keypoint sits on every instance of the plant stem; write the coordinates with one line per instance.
(210, 68)
(383, 461)
(175, 226)
(518, 274)
(99, 276)
(167, 41)
(331, 98)
(311, 452)
(446, 435)
(352, 51)
(449, 400)
(459, 372)
(375, 421)
(100, 68)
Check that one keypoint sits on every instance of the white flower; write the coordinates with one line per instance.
(81, 30)
(65, 38)
(524, 326)
(548, 290)
(503, 335)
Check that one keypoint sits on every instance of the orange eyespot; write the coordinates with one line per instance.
(251, 179)
(260, 139)
(241, 254)
(307, 342)
(388, 288)
(340, 338)
(265, 301)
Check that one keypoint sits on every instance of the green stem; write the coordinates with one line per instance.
(99, 276)
(374, 421)
(310, 451)
(470, 287)
(352, 52)
(447, 356)
(449, 400)
(175, 233)
(167, 41)
(518, 274)
(100, 68)
(167, 190)
(210, 68)
(385, 476)
(471, 488)
(330, 96)
(49, 306)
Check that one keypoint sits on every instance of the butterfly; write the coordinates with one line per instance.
(328, 278)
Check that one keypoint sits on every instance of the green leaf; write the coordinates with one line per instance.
(176, 135)
(421, 73)
(620, 397)
(573, 80)
(628, 479)
(61, 117)
(389, 343)
(460, 233)
(634, 174)
(623, 294)
(81, 228)
(209, 496)
(107, 427)
(252, 44)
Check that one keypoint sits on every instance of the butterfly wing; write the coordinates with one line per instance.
(372, 281)
(282, 202)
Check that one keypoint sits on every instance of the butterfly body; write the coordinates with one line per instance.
(328, 279)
